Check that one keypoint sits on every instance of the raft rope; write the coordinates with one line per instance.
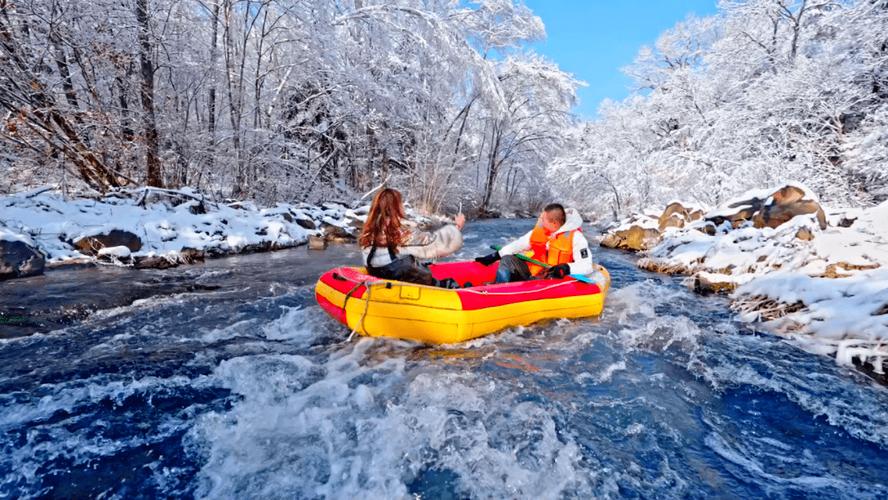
(348, 296)
(353, 290)
(364, 314)
(366, 299)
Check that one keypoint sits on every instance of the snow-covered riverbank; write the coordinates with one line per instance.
(154, 228)
(824, 287)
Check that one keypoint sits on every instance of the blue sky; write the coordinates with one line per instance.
(593, 39)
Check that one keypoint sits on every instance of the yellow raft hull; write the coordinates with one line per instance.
(383, 308)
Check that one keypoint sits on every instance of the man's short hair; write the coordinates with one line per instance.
(555, 212)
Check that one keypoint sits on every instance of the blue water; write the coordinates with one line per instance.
(227, 380)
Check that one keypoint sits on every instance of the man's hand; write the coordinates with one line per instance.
(488, 259)
(557, 272)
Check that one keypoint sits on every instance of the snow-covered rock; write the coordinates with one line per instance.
(163, 228)
(638, 233)
(116, 238)
(769, 208)
(825, 287)
(76, 229)
(120, 252)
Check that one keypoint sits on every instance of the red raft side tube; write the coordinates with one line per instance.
(386, 308)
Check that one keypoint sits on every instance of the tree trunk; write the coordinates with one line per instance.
(149, 121)
(257, 78)
(235, 100)
(61, 59)
(211, 99)
(492, 166)
(126, 131)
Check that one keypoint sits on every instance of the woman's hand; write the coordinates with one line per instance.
(460, 221)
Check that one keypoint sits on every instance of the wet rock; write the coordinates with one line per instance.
(91, 245)
(658, 266)
(191, 255)
(184, 256)
(635, 238)
(154, 262)
(262, 246)
(317, 243)
(19, 260)
(706, 283)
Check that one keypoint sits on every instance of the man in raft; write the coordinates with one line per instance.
(555, 240)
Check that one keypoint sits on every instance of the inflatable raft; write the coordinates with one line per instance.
(384, 308)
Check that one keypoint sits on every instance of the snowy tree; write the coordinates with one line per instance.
(264, 99)
(765, 92)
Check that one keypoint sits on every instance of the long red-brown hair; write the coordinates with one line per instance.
(383, 225)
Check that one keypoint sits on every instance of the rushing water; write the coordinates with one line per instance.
(227, 380)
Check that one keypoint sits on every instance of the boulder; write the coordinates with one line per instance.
(847, 221)
(191, 255)
(737, 213)
(19, 260)
(674, 220)
(91, 245)
(778, 208)
(317, 243)
(306, 223)
(708, 228)
(675, 215)
(635, 238)
(804, 234)
(706, 283)
(786, 203)
(120, 254)
(153, 262)
(337, 234)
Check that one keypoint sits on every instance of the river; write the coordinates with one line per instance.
(225, 379)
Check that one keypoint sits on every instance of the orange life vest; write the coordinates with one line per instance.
(551, 250)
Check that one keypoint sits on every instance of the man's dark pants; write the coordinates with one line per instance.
(511, 268)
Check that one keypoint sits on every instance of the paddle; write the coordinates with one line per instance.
(578, 277)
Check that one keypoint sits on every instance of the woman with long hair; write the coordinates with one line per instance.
(391, 251)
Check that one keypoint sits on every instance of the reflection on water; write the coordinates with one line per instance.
(226, 380)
